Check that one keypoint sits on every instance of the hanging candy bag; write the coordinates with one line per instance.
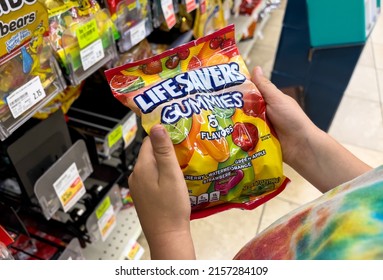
(202, 93)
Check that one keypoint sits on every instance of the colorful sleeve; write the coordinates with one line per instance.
(345, 223)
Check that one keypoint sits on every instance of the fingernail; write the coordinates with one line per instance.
(258, 71)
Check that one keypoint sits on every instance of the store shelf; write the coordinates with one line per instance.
(117, 245)
(72, 251)
(131, 36)
(33, 91)
(242, 22)
(246, 46)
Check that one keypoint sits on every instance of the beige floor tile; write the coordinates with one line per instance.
(298, 190)
(378, 54)
(220, 236)
(271, 35)
(262, 56)
(275, 209)
(371, 157)
(380, 83)
(358, 122)
(367, 56)
(282, 5)
(276, 18)
(364, 83)
(377, 32)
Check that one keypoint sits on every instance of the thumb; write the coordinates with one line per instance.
(268, 90)
(163, 150)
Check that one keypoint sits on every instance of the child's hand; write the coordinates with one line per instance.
(314, 154)
(161, 198)
(291, 124)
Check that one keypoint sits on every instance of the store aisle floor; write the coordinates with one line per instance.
(358, 125)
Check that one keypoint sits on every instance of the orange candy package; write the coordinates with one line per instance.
(202, 93)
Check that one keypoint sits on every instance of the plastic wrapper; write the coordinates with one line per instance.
(65, 17)
(5, 254)
(133, 21)
(248, 7)
(164, 13)
(141, 51)
(29, 74)
(202, 93)
(61, 101)
(209, 18)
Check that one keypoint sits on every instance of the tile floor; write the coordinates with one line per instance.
(357, 125)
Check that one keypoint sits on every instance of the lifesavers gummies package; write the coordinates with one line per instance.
(216, 118)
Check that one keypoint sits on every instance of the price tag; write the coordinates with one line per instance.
(132, 4)
(137, 33)
(134, 250)
(114, 136)
(69, 187)
(202, 6)
(168, 11)
(92, 54)
(87, 33)
(106, 218)
(191, 5)
(25, 97)
(129, 130)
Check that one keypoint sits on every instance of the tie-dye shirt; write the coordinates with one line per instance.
(344, 223)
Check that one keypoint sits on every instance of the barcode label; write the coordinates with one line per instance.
(138, 33)
(25, 97)
(92, 54)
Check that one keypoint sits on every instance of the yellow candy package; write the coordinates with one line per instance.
(202, 93)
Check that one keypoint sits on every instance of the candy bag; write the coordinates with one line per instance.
(201, 92)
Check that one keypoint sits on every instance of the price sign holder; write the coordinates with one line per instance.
(167, 7)
(88, 45)
(76, 158)
(29, 81)
(104, 218)
(73, 251)
(131, 24)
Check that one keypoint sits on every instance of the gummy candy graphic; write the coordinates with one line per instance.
(27, 60)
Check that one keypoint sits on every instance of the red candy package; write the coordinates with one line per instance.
(216, 117)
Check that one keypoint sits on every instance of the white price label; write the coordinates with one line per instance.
(138, 33)
(107, 222)
(134, 250)
(168, 10)
(25, 97)
(129, 130)
(69, 187)
(92, 54)
(202, 6)
(191, 5)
